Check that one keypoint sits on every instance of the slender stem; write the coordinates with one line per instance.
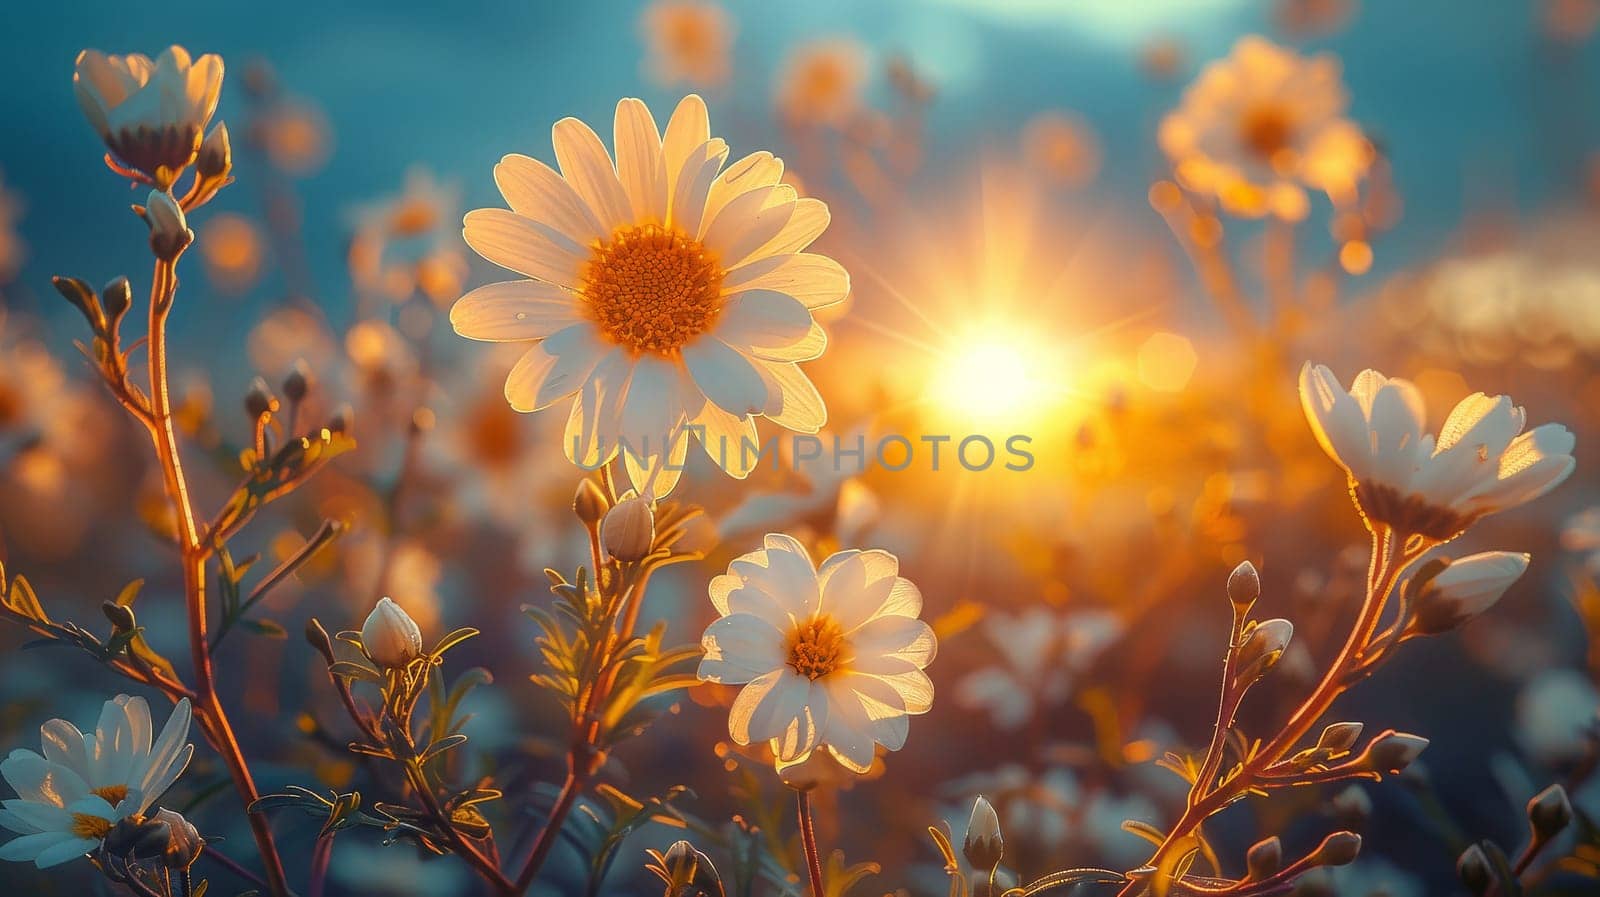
(207, 706)
(808, 840)
(540, 847)
(1389, 559)
(321, 855)
(228, 863)
(464, 848)
(1227, 707)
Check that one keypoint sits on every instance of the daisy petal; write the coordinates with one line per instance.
(515, 310)
(587, 167)
(726, 376)
(524, 246)
(534, 190)
(815, 280)
(554, 368)
(639, 166)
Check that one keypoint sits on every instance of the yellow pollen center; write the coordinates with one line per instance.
(652, 288)
(86, 825)
(113, 794)
(1266, 130)
(817, 647)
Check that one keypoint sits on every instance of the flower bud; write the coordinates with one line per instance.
(82, 297)
(183, 842)
(1467, 587)
(1244, 586)
(215, 160)
(1549, 813)
(135, 837)
(1338, 849)
(298, 383)
(1263, 647)
(689, 873)
(117, 297)
(1339, 737)
(169, 230)
(342, 419)
(983, 846)
(589, 503)
(1392, 751)
(1265, 859)
(259, 400)
(390, 637)
(120, 615)
(1475, 871)
(1352, 807)
(629, 529)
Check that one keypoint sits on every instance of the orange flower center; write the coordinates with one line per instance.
(652, 288)
(87, 825)
(1266, 130)
(113, 794)
(817, 647)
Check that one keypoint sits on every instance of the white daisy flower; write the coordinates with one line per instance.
(1481, 462)
(664, 291)
(151, 115)
(830, 657)
(69, 798)
(1255, 128)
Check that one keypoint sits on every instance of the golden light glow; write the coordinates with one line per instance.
(996, 375)
(1166, 362)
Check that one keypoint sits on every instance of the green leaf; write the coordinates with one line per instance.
(264, 627)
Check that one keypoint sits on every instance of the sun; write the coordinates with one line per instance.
(995, 375)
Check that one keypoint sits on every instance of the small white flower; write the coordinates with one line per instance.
(151, 115)
(1482, 461)
(391, 638)
(69, 798)
(1466, 588)
(830, 657)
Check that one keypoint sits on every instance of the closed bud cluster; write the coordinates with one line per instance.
(629, 529)
(390, 637)
(983, 846)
